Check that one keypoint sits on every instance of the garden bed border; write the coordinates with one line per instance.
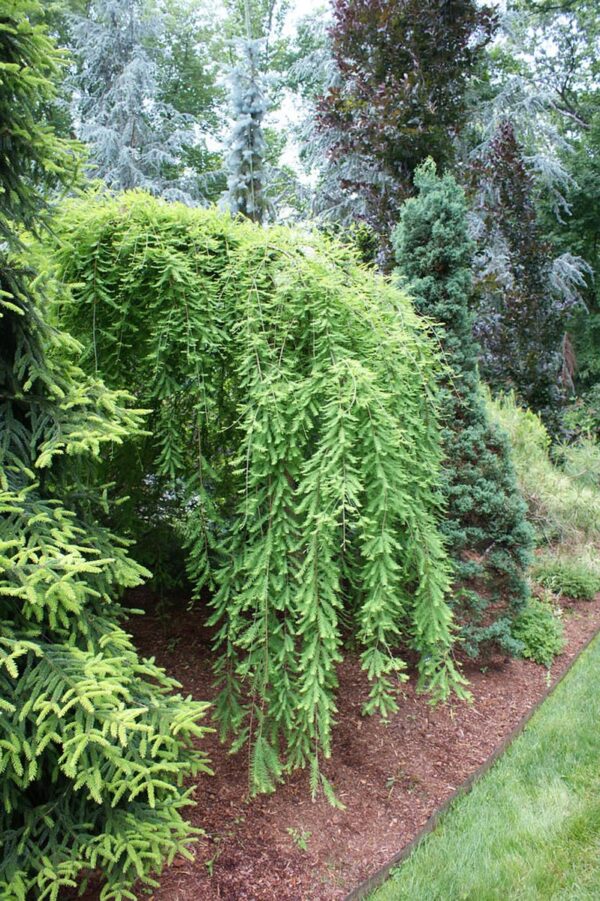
(376, 879)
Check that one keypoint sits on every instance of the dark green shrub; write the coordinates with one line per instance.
(540, 631)
(293, 412)
(573, 577)
(582, 417)
(485, 525)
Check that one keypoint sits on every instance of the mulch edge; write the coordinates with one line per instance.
(376, 879)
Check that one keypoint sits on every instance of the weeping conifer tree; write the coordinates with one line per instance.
(93, 744)
(294, 415)
(485, 522)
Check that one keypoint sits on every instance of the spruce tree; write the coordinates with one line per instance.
(485, 524)
(247, 147)
(93, 744)
(136, 139)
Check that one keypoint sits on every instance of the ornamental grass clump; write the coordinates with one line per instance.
(293, 419)
(564, 504)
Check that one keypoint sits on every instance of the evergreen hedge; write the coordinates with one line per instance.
(294, 429)
(485, 522)
(93, 744)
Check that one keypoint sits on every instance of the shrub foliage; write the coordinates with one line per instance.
(93, 744)
(485, 522)
(540, 632)
(294, 416)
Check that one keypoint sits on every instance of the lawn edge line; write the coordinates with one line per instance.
(376, 879)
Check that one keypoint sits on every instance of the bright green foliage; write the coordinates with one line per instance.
(93, 745)
(485, 523)
(294, 416)
(573, 577)
(540, 631)
(27, 146)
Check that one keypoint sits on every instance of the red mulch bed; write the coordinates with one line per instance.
(390, 777)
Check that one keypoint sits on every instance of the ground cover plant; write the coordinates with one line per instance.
(530, 828)
(294, 419)
(485, 523)
(94, 745)
(540, 630)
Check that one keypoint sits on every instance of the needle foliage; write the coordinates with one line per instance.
(294, 422)
(93, 744)
(485, 520)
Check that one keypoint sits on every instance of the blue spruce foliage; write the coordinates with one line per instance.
(485, 525)
(135, 140)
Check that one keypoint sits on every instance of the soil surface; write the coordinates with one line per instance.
(391, 778)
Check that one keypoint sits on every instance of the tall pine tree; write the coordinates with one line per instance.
(93, 744)
(485, 523)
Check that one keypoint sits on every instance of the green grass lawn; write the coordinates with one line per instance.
(530, 829)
